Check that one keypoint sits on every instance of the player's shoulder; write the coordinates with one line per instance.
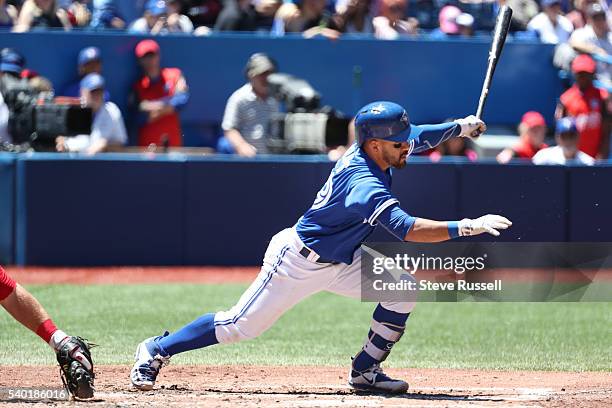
(172, 73)
(112, 108)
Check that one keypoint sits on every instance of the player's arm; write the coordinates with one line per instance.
(430, 136)
(413, 229)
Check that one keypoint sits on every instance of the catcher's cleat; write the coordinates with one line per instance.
(76, 367)
(148, 363)
(374, 380)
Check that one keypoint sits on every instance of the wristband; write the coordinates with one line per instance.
(453, 229)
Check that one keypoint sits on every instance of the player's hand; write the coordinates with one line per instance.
(489, 223)
(471, 126)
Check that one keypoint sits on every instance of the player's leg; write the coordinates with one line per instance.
(24, 307)
(285, 279)
(387, 327)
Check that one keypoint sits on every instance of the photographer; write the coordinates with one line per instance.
(107, 131)
(249, 110)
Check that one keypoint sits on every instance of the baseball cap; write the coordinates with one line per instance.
(89, 54)
(92, 81)
(11, 61)
(147, 47)
(448, 19)
(548, 3)
(533, 119)
(258, 64)
(565, 125)
(583, 63)
(595, 9)
(156, 7)
(465, 20)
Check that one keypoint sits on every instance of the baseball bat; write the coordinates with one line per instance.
(502, 25)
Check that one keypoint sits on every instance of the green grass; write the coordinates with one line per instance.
(323, 330)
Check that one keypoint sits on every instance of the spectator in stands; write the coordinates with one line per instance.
(158, 18)
(447, 19)
(89, 61)
(532, 131)
(595, 38)
(106, 16)
(77, 11)
(522, 13)
(588, 106)
(246, 121)
(107, 130)
(8, 15)
(354, 17)
(391, 23)
(578, 16)
(177, 22)
(244, 15)
(41, 14)
(309, 17)
(159, 95)
(552, 27)
(456, 146)
(567, 147)
(465, 21)
(203, 13)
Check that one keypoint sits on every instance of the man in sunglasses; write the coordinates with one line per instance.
(321, 252)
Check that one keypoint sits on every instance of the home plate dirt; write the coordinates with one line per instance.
(267, 386)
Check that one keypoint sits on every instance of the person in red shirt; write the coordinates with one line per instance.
(532, 131)
(159, 95)
(588, 106)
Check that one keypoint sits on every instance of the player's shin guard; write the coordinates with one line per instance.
(387, 328)
(197, 334)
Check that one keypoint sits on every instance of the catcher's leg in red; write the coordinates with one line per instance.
(72, 352)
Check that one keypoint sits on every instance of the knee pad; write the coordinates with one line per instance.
(399, 307)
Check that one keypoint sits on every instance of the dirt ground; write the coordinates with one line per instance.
(253, 386)
(269, 386)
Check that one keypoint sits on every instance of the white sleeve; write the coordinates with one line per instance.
(78, 143)
(539, 157)
(230, 116)
(118, 135)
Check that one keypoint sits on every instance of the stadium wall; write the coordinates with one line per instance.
(137, 210)
(434, 79)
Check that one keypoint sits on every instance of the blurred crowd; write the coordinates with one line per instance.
(581, 32)
(550, 21)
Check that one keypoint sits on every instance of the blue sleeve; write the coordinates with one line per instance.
(429, 136)
(396, 221)
(369, 197)
(178, 100)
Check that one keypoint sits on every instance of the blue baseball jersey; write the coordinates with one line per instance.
(354, 196)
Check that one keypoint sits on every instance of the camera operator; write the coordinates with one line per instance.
(11, 65)
(249, 110)
(107, 130)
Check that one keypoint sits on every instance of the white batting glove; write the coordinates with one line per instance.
(490, 223)
(471, 126)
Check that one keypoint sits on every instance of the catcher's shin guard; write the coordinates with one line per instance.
(76, 367)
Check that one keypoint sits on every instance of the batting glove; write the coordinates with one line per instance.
(471, 126)
(490, 223)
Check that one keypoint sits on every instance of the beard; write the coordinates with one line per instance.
(395, 161)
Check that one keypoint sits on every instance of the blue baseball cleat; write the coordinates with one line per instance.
(148, 363)
(374, 380)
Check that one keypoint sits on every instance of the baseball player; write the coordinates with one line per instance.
(321, 252)
(72, 352)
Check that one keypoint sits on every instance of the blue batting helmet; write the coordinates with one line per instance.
(382, 120)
